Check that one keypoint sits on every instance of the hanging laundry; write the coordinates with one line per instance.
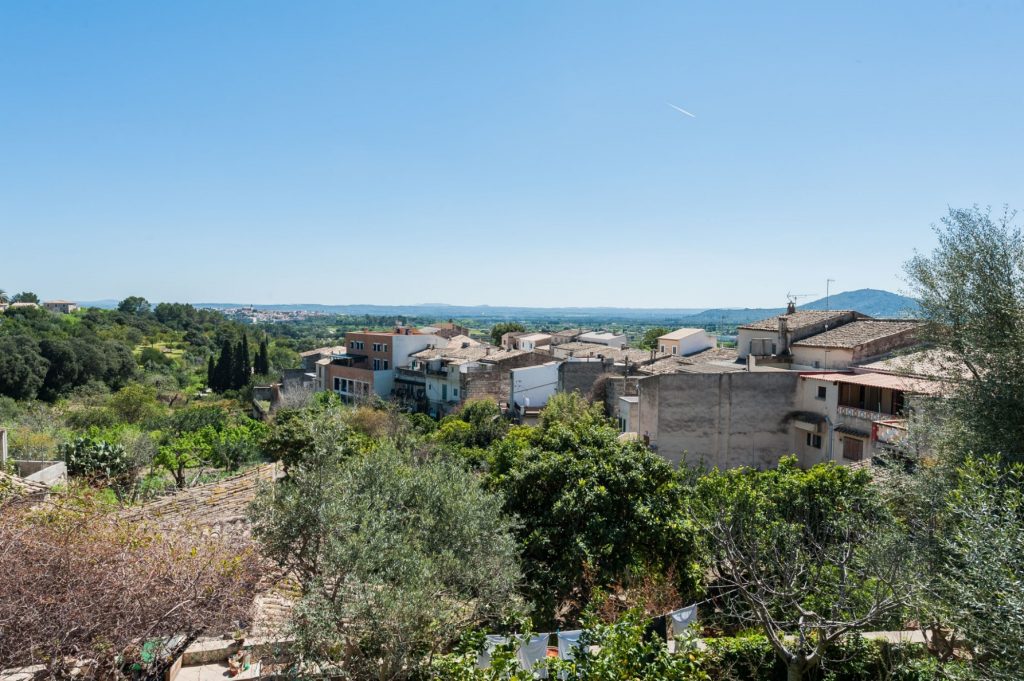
(532, 651)
(567, 643)
(682, 619)
(483, 660)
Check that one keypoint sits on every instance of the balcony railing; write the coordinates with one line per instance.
(865, 414)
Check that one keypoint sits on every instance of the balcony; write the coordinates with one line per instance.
(863, 414)
(410, 376)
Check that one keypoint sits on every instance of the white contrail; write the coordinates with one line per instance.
(684, 111)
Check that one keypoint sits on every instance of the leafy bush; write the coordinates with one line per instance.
(101, 462)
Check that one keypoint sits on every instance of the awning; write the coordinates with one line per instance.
(849, 430)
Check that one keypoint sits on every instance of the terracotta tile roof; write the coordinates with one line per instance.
(330, 350)
(20, 486)
(858, 333)
(216, 507)
(456, 351)
(797, 320)
(890, 381)
(712, 360)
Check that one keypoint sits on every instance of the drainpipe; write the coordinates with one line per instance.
(831, 436)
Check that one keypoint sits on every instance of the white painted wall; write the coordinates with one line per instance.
(536, 384)
(744, 336)
(820, 358)
(696, 342)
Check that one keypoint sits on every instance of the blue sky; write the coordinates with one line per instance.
(502, 153)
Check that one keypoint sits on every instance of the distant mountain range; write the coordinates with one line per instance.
(444, 311)
(871, 302)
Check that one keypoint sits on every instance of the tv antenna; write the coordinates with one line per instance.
(793, 297)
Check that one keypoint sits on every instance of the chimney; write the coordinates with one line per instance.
(783, 335)
(791, 307)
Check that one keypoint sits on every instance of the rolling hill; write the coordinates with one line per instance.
(872, 302)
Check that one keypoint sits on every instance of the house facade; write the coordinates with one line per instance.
(685, 342)
(370, 361)
(60, 306)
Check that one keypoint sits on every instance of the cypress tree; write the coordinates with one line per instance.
(242, 367)
(210, 372)
(223, 373)
(262, 366)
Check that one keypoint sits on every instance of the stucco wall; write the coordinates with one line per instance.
(721, 420)
(535, 384)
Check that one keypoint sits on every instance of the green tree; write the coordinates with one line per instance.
(210, 372)
(242, 367)
(4, 298)
(25, 297)
(971, 295)
(186, 452)
(135, 403)
(806, 556)
(134, 305)
(593, 511)
(223, 373)
(22, 368)
(500, 329)
(238, 444)
(396, 557)
(649, 341)
(968, 526)
(262, 364)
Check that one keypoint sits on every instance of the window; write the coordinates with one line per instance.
(337, 383)
(380, 347)
(356, 345)
(455, 392)
(385, 365)
(376, 365)
(674, 348)
(663, 349)
(813, 440)
(822, 392)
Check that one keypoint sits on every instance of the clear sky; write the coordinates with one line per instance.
(496, 152)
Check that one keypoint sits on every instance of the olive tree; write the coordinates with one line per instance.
(395, 556)
(971, 294)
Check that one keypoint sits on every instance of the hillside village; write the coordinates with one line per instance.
(825, 385)
(798, 395)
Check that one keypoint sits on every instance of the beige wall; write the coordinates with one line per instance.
(721, 420)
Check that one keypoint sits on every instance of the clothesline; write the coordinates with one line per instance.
(533, 649)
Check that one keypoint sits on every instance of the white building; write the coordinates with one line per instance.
(685, 342)
(602, 338)
(532, 386)
(532, 341)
